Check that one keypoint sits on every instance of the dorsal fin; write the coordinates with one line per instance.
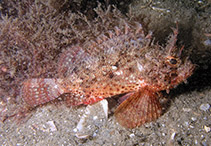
(69, 60)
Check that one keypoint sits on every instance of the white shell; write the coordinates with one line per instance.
(95, 116)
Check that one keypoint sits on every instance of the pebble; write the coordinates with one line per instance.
(186, 123)
(193, 118)
(207, 42)
(204, 107)
(186, 109)
(163, 125)
(52, 126)
(173, 135)
(132, 135)
(196, 142)
(207, 129)
(204, 143)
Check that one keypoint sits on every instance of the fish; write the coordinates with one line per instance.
(125, 61)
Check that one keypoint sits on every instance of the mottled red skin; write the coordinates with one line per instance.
(124, 60)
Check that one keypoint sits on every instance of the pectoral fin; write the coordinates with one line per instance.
(141, 107)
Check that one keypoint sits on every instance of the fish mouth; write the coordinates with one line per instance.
(185, 73)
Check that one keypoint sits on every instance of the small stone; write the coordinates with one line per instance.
(204, 143)
(132, 135)
(205, 118)
(193, 118)
(95, 118)
(207, 42)
(196, 142)
(94, 134)
(186, 109)
(187, 124)
(204, 107)
(200, 1)
(75, 130)
(163, 125)
(173, 135)
(207, 129)
(52, 126)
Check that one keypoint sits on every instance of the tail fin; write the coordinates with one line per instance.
(141, 107)
(40, 91)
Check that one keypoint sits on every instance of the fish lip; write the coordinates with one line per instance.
(182, 78)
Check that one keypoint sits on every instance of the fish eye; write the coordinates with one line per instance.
(172, 61)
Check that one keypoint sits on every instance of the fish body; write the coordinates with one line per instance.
(124, 60)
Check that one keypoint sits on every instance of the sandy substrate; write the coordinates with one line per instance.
(186, 122)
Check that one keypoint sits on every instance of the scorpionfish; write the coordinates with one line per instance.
(123, 61)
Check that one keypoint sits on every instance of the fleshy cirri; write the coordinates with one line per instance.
(125, 60)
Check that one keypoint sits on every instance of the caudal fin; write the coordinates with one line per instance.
(40, 91)
(141, 107)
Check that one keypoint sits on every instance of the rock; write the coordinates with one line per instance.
(207, 129)
(204, 107)
(52, 126)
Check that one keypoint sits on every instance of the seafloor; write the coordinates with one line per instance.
(186, 120)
